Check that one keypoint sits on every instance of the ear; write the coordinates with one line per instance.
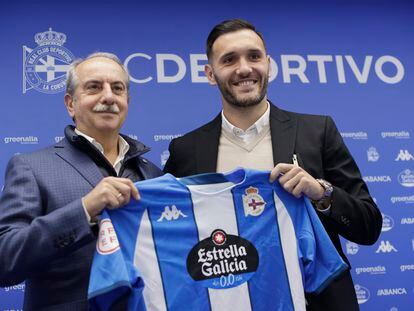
(69, 103)
(208, 70)
(269, 63)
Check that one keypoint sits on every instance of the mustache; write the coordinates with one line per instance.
(99, 107)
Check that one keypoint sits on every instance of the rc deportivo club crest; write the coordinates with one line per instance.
(253, 202)
(45, 66)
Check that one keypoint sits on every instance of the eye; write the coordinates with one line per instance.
(255, 56)
(118, 88)
(228, 60)
(93, 86)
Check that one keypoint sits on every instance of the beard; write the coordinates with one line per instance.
(247, 101)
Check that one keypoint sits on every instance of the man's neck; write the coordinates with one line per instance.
(109, 143)
(244, 117)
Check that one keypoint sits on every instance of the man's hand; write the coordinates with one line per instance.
(296, 181)
(111, 192)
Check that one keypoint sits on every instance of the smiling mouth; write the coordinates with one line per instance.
(245, 83)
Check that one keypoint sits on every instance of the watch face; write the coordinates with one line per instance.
(327, 186)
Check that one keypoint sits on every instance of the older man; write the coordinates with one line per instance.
(52, 197)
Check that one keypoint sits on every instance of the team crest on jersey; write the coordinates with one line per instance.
(107, 240)
(253, 202)
(45, 66)
(222, 260)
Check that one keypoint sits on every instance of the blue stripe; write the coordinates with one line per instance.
(269, 286)
(237, 213)
(173, 240)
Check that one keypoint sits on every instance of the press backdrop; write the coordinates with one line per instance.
(351, 60)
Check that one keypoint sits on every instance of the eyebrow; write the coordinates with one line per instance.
(249, 51)
(100, 81)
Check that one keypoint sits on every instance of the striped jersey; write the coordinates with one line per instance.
(229, 241)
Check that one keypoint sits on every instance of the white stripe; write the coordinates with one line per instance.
(290, 254)
(217, 212)
(145, 259)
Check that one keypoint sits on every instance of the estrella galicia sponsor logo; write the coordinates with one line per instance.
(387, 223)
(372, 154)
(24, 140)
(404, 155)
(407, 221)
(19, 287)
(351, 248)
(396, 135)
(171, 213)
(403, 199)
(377, 179)
(107, 242)
(404, 268)
(391, 291)
(386, 247)
(222, 260)
(355, 135)
(406, 178)
(253, 202)
(46, 65)
(371, 270)
(362, 293)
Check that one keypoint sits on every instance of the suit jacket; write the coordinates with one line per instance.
(45, 238)
(322, 153)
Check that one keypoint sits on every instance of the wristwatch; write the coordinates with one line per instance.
(325, 202)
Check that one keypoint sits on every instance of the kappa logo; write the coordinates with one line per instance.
(170, 214)
(373, 155)
(253, 202)
(45, 66)
(386, 247)
(404, 155)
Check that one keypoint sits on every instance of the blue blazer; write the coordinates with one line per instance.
(45, 238)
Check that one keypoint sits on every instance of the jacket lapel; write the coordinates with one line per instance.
(283, 131)
(207, 146)
(80, 161)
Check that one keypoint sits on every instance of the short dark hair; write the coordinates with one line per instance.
(228, 26)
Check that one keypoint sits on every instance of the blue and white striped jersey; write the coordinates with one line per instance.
(212, 242)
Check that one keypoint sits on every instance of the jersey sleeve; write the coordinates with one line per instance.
(112, 278)
(321, 261)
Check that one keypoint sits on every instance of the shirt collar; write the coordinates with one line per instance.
(254, 129)
(123, 147)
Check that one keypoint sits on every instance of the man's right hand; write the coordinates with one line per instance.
(111, 192)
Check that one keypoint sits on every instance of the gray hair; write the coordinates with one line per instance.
(72, 79)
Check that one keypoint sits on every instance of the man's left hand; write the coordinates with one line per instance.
(297, 181)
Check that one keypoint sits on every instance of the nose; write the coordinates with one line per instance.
(244, 68)
(107, 94)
